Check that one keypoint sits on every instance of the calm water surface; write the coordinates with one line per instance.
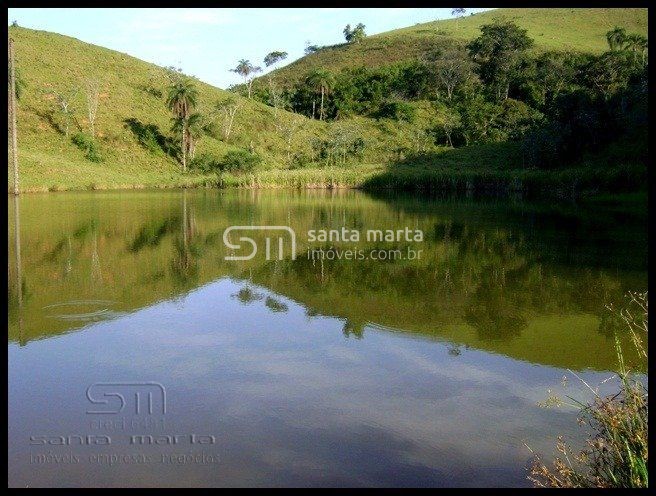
(301, 372)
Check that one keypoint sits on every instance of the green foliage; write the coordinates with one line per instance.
(240, 161)
(344, 144)
(311, 49)
(616, 38)
(396, 110)
(560, 108)
(87, 144)
(245, 69)
(611, 72)
(182, 98)
(356, 34)
(498, 51)
(360, 90)
(301, 160)
(235, 161)
(552, 29)
(274, 57)
(206, 163)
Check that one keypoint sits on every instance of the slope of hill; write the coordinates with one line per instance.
(574, 29)
(384, 152)
(132, 96)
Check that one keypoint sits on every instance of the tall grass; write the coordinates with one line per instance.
(616, 455)
(568, 182)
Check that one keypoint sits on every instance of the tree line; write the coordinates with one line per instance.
(559, 104)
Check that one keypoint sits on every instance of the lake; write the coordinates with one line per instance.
(139, 355)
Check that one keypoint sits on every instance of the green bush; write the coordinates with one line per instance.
(399, 111)
(88, 145)
(301, 160)
(240, 161)
(205, 163)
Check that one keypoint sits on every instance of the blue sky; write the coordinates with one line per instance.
(207, 43)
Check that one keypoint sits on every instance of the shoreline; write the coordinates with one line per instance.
(561, 183)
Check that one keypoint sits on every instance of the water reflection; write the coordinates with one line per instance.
(493, 275)
(309, 372)
(15, 274)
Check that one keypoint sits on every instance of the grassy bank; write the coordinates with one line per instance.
(575, 182)
(485, 168)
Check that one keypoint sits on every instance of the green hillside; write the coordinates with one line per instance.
(383, 141)
(575, 29)
(131, 89)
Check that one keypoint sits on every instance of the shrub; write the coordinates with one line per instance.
(517, 118)
(399, 111)
(300, 160)
(205, 163)
(240, 161)
(213, 129)
(342, 145)
(88, 145)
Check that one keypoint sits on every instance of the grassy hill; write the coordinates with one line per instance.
(134, 91)
(131, 91)
(552, 29)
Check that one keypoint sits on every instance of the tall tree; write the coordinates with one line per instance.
(271, 59)
(193, 127)
(274, 57)
(181, 100)
(452, 69)
(228, 109)
(92, 89)
(247, 70)
(322, 81)
(356, 34)
(498, 52)
(288, 129)
(65, 107)
(12, 113)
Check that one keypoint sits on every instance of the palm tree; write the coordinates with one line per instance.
(637, 44)
(323, 81)
(181, 100)
(190, 130)
(246, 70)
(195, 131)
(616, 38)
